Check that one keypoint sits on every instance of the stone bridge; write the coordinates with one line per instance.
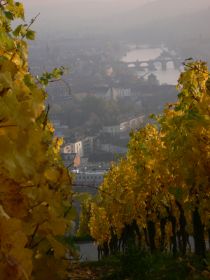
(151, 64)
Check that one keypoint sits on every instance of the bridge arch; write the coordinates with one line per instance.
(131, 65)
(170, 65)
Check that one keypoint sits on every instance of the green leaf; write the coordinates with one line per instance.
(30, 35)
(9, 15)
(17, 30)
(152, 116)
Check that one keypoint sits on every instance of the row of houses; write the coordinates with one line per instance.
(133, 123)
(117, 93)
(92, 155)
(82, 147)
(88, 178)
(86, 146)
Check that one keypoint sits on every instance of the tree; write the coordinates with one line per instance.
(35, 187)
(160, 191)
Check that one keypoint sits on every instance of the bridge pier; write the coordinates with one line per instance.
(151, 66)
(176, 65)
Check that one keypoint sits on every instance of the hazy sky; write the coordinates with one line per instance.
(74, 14)
(41, 2)
(52, 4)
(101, 7)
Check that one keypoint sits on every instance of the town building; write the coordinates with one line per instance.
(71, 160)
(88, 178)
(116, 93)
(88, 146)
(112, 130)
(109, 148)
(133, 123)
(76, 148)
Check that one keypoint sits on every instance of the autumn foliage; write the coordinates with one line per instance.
(35, 187)
(158, 196)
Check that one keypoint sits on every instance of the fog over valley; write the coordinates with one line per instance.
(124, 58)
(104, 139)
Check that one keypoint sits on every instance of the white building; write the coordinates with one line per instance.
(76, 148)
(132, 123)
(88, 178)
(113, 130)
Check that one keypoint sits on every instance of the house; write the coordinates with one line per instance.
(88, 178)
(115, 93)
(76, 148)
(112, 130)
(88, 146)
(133, 123)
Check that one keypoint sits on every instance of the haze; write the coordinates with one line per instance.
(105, 15)
(124, 59)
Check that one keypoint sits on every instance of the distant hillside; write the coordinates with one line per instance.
(164, 9)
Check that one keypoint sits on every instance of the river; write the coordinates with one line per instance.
(146, 53)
